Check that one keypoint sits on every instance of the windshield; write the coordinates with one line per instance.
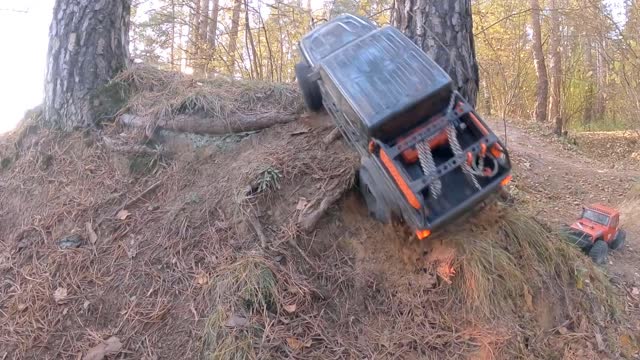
(594, 216)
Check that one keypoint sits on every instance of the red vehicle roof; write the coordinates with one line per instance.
(602, 208)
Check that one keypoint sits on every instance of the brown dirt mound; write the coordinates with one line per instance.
(612, 146)
(163, 252)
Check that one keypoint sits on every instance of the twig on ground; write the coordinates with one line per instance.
(255, 223)
(308, 222)
(137, 198)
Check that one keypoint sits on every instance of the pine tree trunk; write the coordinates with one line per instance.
(233, 35)
(556, 70)
(486, 94)
(88, 46)
(173, 34)
(201, 45)
(194, 34)
(213, 26)
(601, 82)
(444, 30)
(204, 22)
(542, 86)
(589, 100)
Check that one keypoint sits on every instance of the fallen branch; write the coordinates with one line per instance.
(130, 149)
(332, 136)
(309, 222)
(255, 223)
(292, 241)
(236, 123)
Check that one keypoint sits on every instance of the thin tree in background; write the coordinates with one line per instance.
(88, 46)
(555, 116)
(444, 30)
(542, 81)
(233, 35)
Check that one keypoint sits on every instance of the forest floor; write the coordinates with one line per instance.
(556, 178)
(197, 251)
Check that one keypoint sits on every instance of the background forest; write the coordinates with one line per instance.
(573, 64)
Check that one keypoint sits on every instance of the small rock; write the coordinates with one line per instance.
(70, 242)
(153, 207)
(237, 321)
(635, 291)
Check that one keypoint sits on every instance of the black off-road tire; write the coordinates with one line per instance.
(375, 203)
(618, 242)
(310, 89)
(599, 252)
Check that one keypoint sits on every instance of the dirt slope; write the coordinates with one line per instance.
(166, 255)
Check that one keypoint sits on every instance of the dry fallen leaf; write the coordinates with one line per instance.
(123, 214)
(635, 291)
(290, 308)
(528, 299)
(111, 346)
(202, 279)
(60, 295)
(93, 237)
(296, 344)
(599, 341)
(302, 204)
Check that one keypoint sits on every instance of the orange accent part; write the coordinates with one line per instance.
(410, 155)
(496, 151)
(423, 234)
(406, 191)
(372, 146)
(483, 150)
(506, 180)
(479, 124)
(469, 158)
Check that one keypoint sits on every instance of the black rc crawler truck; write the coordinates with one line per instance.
(427, 157)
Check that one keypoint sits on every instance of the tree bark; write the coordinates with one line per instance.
(213, 26)
(556, 70)
(542, 86)
(587, 117)
(206, 126)
(254, 58)
(444, 30)
(88, 46)
(194, 34)
(201, 45)
(204, 22)
(233, 35)
(601, 81)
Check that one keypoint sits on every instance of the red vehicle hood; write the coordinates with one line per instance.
(589, 227)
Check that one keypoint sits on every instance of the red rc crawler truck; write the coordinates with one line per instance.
(596, 231)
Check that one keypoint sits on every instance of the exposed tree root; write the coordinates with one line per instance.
(308, 222)
(332, 136)
(206, 126)
(257, 227)
(130, 149)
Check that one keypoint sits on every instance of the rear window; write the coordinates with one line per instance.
(594, 216)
